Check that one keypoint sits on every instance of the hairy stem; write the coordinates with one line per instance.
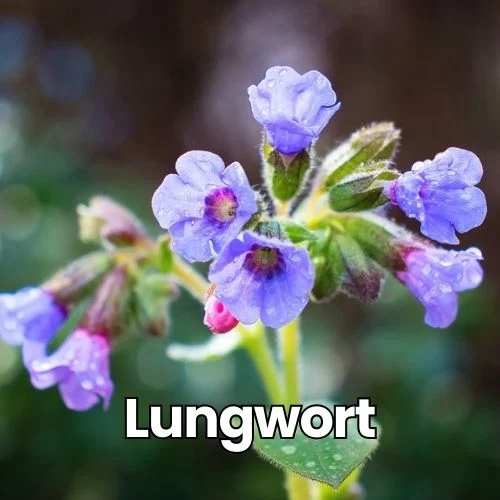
(298, 487)
(289, 337)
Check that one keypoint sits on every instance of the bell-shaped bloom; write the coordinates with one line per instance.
(293, 108)
(30, 313)
(203, 206)
(79, 367)
(440, 193)
(217, 316)
(262, 278)
(435, 276)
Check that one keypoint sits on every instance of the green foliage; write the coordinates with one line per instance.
(326, 460)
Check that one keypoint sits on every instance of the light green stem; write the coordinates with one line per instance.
(297, 486)
(289, 337)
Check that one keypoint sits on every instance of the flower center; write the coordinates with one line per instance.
(264, 261)
(221, 206)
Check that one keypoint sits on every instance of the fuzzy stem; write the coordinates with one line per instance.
(289, 337)
(297, 486)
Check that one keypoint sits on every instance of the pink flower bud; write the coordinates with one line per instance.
(217, 316)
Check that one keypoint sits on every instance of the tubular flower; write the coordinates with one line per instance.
(203, 206)
(79, 367)
(435, 276)
(30, 313)
(293, 108)
(441, 194)
(263, 278)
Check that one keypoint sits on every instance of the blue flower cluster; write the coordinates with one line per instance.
(206, 207)
(31, 318)
(208, 211)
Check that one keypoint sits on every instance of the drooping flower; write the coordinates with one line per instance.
(262, 278)
(80, 368)
(31, 313)
(292, 108)
(217, 316)
(440, 193)
(203, 206)
(435, 276)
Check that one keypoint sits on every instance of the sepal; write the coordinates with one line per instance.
(150, 301)
(73, 282)
(285, 175)
(375, 143)
(342, 266)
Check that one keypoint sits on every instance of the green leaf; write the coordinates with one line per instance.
(216, 348)
(298, 233)
(326, 460)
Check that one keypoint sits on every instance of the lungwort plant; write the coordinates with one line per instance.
(317, 227)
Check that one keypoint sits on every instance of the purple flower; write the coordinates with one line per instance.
(293, 108)
(204, 206)
(30, 313)
(435, 275)
(262, 278)
(80, 367)
(440, 193)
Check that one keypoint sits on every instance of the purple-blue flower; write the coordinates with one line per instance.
(203, 206)
(435, 276)
(293, 108)
(440, 193)
(30, 313)
(80, 367)
(262, 278)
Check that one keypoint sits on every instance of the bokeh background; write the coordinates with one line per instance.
(103, 96)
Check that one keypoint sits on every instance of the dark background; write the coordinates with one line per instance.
(103, 96)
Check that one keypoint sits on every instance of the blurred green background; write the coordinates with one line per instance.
(102, 97)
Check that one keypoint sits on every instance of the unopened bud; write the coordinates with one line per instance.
(217, 316)
(376, 142)
(151, 299)
(107, 311)
(74, 281)
(378, 238)
(105, 220)
(343, 266)
(362, 190)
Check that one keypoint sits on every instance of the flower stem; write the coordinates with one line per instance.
(260, 351)
(298, 487)
(289, 337)
(189, 278)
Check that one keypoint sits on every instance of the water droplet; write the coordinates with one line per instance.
(310, 464)
(271, 83)
(283, 71)
(288, 449)
(337, 456)
(87, 385)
